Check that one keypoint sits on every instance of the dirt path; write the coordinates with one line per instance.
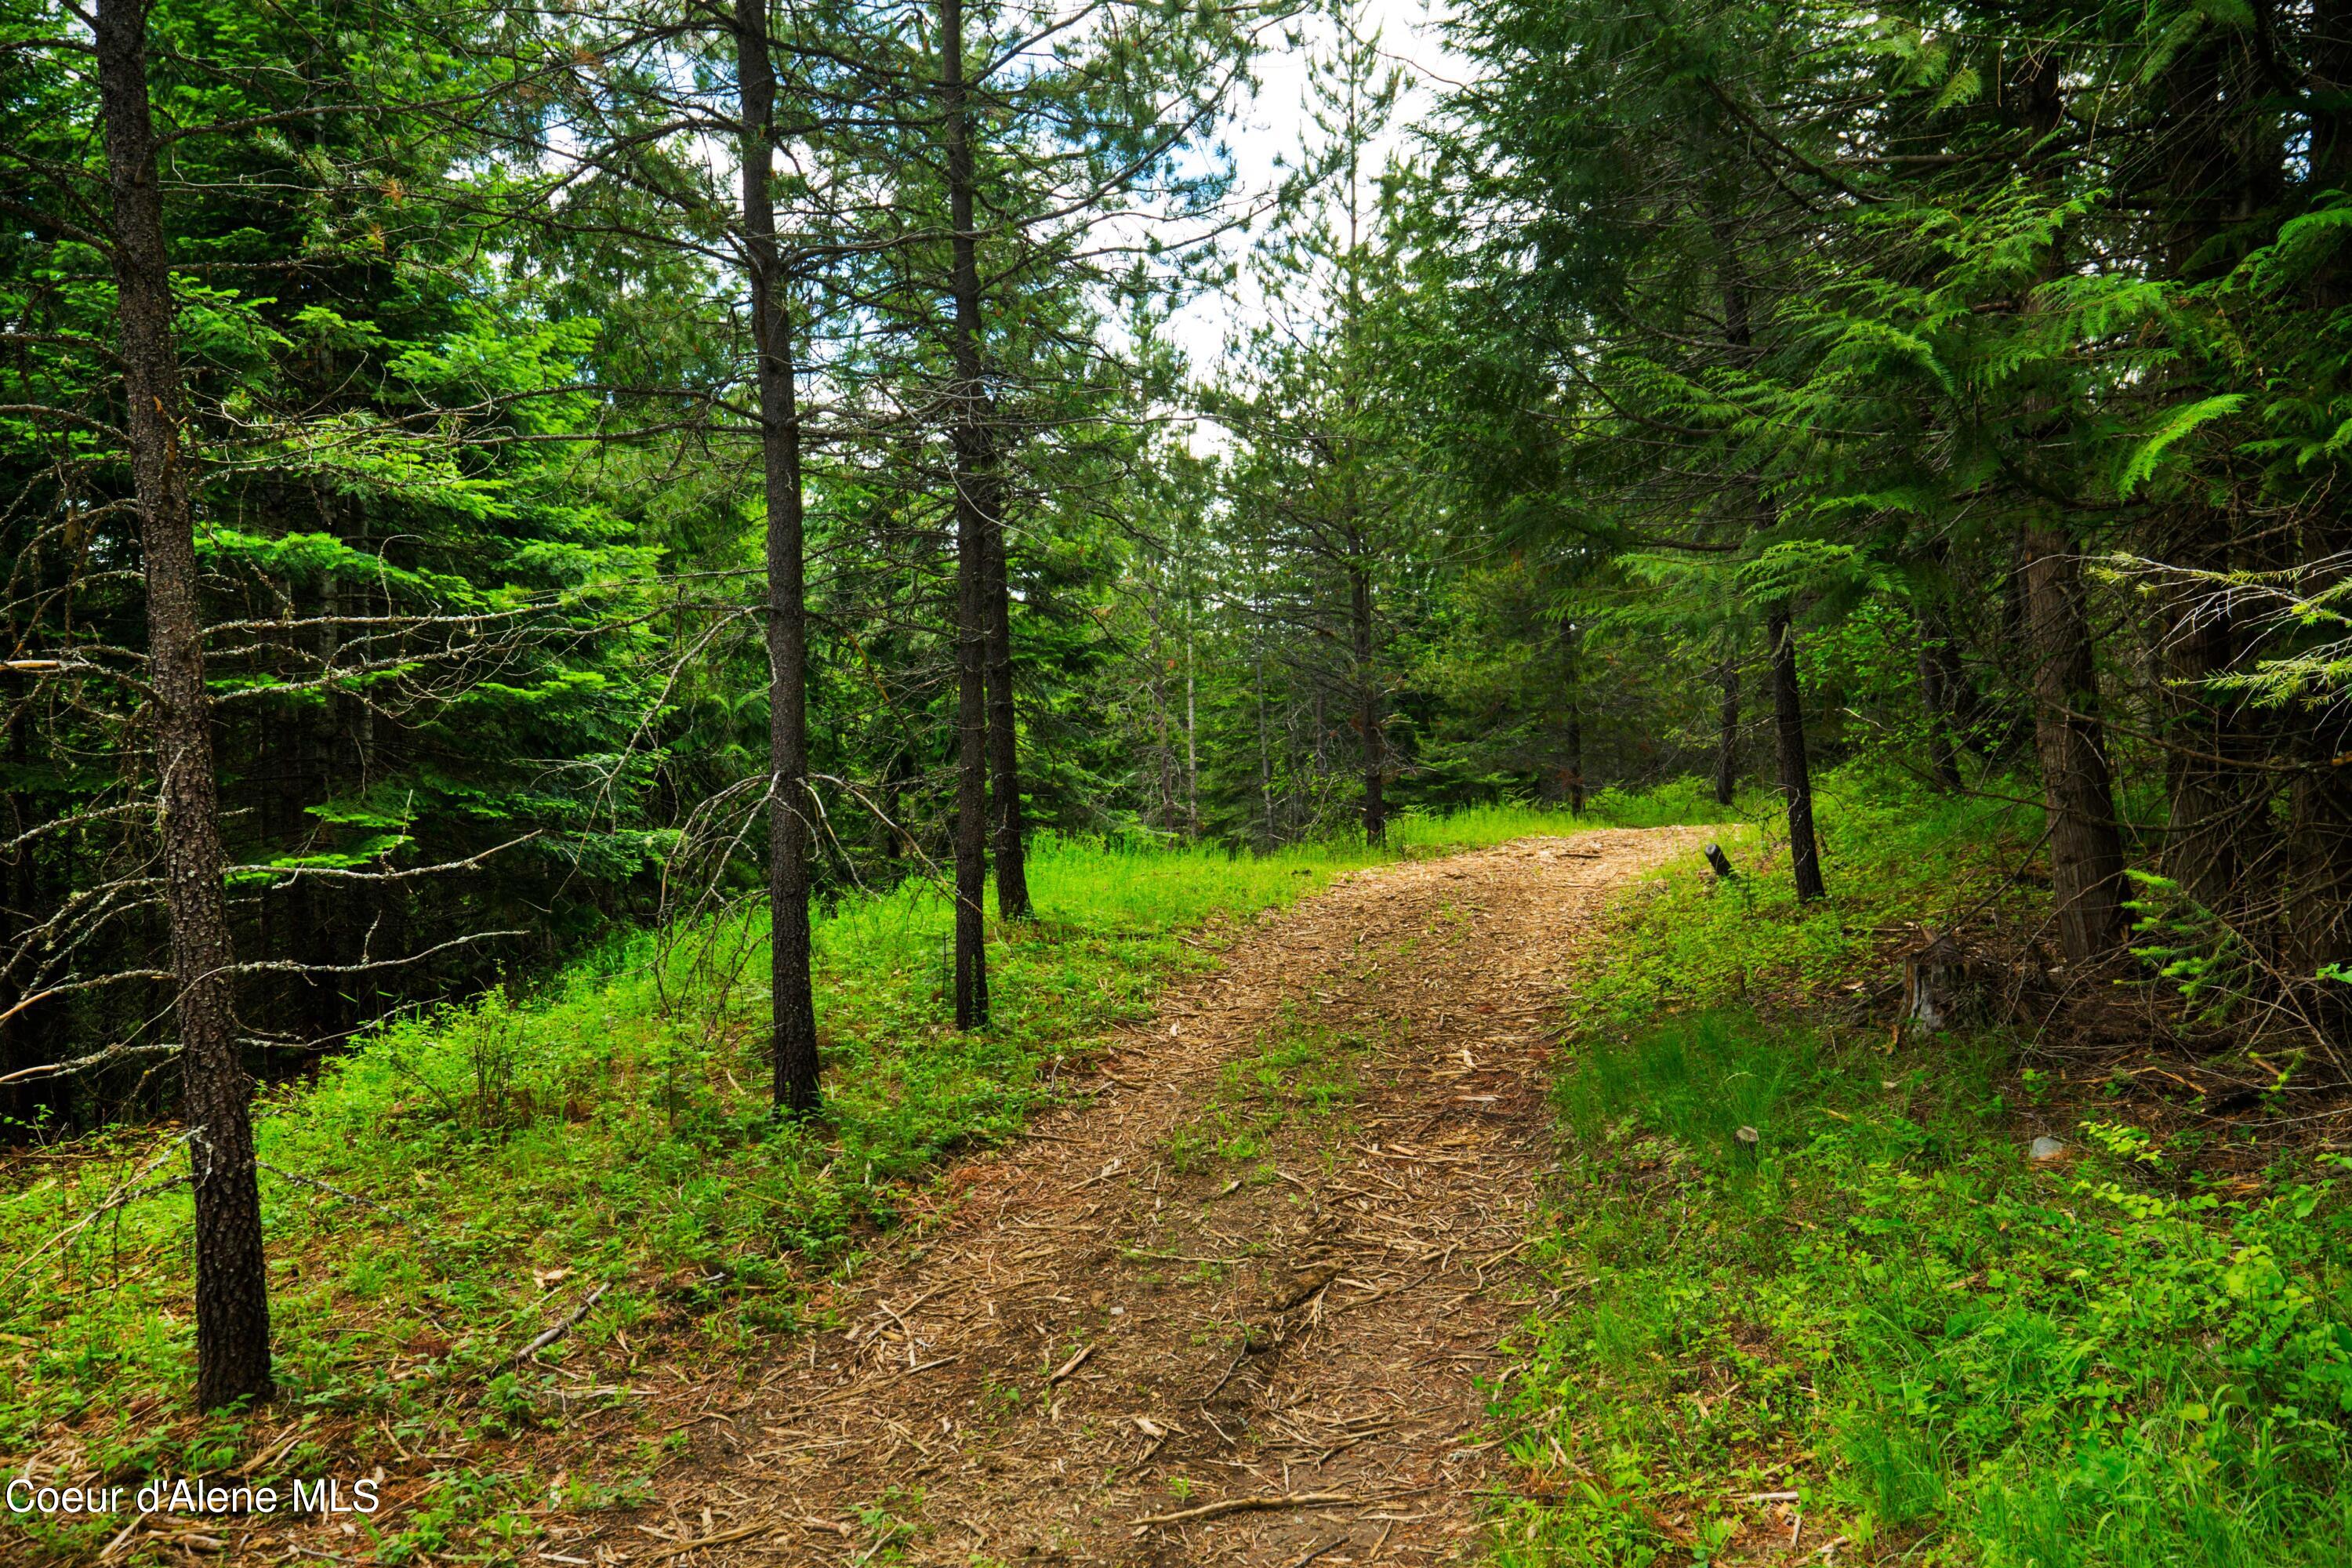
(1267, 1262)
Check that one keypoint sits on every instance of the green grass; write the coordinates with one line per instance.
(1302, 1072)
(1673, 802)
(457, 1182)
(1891, 852)
(1951, 1355)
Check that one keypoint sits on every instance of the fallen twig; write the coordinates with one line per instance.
(1069, 1366)
(560, 1329)
(742, 1532)
(1247, 1505)
(1231, 1367)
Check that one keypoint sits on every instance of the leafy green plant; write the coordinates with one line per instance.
(2189, 945)
(1880, 1305)
(456, 1181)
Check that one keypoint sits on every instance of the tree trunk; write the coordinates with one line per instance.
(2330, 98)
(2086, 855)
(1727, 740)
(1935, 695)
(2319, 893)
(970, 439)
(1575, 724)
(791, 999)
(35, 1107)
(1164, 751)
(2207, 178)
(322, 915)
(1264, 741)
(980, 487)
(1191, 729)
(1789, 737)
(2205, 809)
(1004, 739)
(1367, 714)
(2319, 881)
(1575, 758)
(232, 1278)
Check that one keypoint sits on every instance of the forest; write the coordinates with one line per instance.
(766, 762)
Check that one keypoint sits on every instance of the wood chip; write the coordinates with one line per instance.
(740, 1532)
(1069, 1367)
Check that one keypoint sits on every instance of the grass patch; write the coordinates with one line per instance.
(1808, 1283)
(1891, 852)
(1302, 1072)
(1944, 1353)
(455, 1183)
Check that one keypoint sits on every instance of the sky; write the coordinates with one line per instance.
(1275, 124)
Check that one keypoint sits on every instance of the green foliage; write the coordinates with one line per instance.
(1891, 849)
(1428, 830)
(1880, 1307)
(2176, 425)
(1796, 1267)
(2191, 947)
(1674, 803)
(458, 1179)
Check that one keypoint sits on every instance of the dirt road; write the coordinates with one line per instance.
(1234, 1309)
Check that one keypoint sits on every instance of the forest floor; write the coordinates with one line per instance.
(1235, 1308)
(1300, 1237)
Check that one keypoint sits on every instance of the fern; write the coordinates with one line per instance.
(2141, 463)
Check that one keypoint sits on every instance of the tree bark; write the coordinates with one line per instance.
(2318, 856)
(1575, 758)
(1781, 651)
(2086, 855)
(970, 440)
(31, 1107)
(2330, 98)
(232, 1278)
(1727, 740)
(1575, 722)
(2206, 812)
(2205, 177)
(1937, 697)
(1192, 727)
(791, 998)
(980, 485)
(1164, 751)
(1004, 739)
(1789, 737)
(1265, 740)
(2319, 881)
(1368, 713)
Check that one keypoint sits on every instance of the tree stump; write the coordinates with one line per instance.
(1943, 984)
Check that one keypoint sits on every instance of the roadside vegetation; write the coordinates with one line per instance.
(1811, 1294)
(462, 1180)
(538, 543)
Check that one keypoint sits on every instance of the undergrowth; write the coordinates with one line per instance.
(1891, 854)
(455, 1183)
(1813, 1295)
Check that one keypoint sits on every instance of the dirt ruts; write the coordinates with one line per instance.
(1233, 1309)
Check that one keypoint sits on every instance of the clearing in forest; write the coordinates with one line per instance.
(1234, 1308)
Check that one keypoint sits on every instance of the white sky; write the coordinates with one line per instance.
(1275, 125)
